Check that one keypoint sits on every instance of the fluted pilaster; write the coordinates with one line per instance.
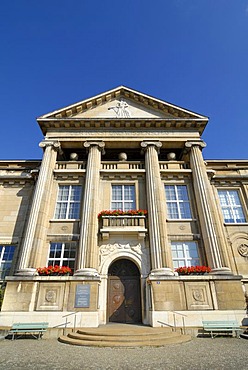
(45, 175)
(87, 253)
(160, 253)
(206, 209)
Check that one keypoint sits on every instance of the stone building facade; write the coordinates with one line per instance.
(127, 151)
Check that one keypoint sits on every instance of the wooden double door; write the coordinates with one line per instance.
(124, 293)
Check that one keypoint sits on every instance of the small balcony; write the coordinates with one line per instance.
(123, 224)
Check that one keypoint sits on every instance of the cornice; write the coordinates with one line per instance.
(196, 124)
(16, 181)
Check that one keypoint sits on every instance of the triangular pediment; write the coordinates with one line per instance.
(122, 103)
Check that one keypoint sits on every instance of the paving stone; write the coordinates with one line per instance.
(199, 354)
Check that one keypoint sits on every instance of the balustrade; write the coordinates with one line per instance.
(122, 165)
(111, 165)
(123, 220)
(69, 165)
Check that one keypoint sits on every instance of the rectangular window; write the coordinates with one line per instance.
(231, 206)
(185, 254)
(62, 254)
(6, 257)
(177, 201)
(123, 197)
(68, 202)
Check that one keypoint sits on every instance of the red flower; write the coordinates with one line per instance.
(118, 212)
(193, 270)
(50, 270)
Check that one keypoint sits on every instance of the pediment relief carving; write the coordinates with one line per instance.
(122, 108)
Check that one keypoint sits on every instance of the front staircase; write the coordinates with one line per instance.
(124, 335)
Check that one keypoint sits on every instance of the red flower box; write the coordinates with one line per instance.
(54, 270)
(193, 270)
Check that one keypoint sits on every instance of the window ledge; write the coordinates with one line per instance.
(236, 223)
(181, 219)
(64, 219)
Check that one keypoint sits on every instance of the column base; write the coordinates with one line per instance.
(221, 271)
(86, 272)
(164, 271)
(26, 272)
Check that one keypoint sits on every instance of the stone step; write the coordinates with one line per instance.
(122, 335)
(124, 330)
(121, 338)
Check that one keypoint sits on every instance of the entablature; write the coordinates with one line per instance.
(196, 124)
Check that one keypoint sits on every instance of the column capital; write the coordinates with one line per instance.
(201, 144)
(156, 144)
(54, 144)
(99, 144)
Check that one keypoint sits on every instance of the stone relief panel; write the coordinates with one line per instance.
(50, 297)
(136, 252)
(198, 296)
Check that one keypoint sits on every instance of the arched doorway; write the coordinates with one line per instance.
(124, 292)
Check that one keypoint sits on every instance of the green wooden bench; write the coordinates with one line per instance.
(222, 327)
(36, 329)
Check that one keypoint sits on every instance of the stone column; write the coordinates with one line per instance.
(207, 211)
(87, 252)
(45, 175)
(161, 259)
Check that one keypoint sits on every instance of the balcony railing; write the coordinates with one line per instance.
(123, 221)
(111, 165)
(71, 165)
(171, 165)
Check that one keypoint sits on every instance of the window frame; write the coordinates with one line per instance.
(123, 201)
(51, 261)
(6, 272)
(68, 203)
(230, 207)
(178, 201)
(186, 260)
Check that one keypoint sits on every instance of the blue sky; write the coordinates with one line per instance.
(192, 53)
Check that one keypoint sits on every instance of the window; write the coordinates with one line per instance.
(62, 254)
(123, 197)
(68, 202)
(185, 254)
(177, 201)
(231, 206)
(6, 257)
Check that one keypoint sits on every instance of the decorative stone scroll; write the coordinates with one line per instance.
(51, 296)
(243, 250)
(106, 249)
(198, 295)
(111, 251)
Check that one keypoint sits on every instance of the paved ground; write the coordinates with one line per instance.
(201, 353)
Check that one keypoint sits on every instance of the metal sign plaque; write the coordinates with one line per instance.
(82, 297)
